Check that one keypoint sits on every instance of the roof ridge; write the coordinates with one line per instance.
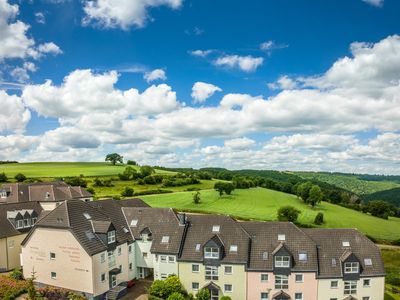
(67, 211)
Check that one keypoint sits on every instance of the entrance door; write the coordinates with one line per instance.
(141, 272)
(113, 280)
(214, 294)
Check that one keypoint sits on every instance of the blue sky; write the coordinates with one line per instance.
(299, 85)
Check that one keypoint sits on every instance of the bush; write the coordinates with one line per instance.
(225, 298)
(17, 274)
(3, 177)
(127, 192)
(203, 294)
(91, 190)
(151, 192)
(319, 219)
(76, 181)
(165, 288)
(11, 288)
(20, 177)
(131, 162)
(396, 242)
(196, 198)
(288, 213)
(393, 279)
(176, 296)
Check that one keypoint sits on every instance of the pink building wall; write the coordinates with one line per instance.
(255, 287)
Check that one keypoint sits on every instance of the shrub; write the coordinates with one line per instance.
(225, 298)
(131, 162)
(91, 190)
(3, 177)
(76, 181)
(288, 213)
(127, 192)
(319, 219)
(203, 294)
(17, 274)
(196, 198)
(396, 242)
(393, 279)
(11, 288)
(151, 192)
(176, 296)
(20, 177)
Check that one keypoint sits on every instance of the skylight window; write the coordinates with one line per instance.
(333, 262)
(87, 216)
(281, 237)
(346, 244)
(303, 256)
(198, 246)
(165, 239)
(215, 228)
(368, 261)
(265, 255)
(134, 223)
(233, 248)
(125, 229)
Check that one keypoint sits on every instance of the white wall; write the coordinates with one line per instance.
(167, 267)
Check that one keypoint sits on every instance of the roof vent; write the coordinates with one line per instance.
(216, 228)
(281, 237)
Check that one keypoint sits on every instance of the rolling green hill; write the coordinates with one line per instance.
(262, 204)
(64, 169)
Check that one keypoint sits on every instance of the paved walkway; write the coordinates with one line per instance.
(139, 291)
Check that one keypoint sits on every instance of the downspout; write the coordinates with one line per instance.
(7, 254)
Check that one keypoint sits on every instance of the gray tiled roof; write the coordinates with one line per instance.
(43, 191)
(200, 231)
(330, 247)
(160, 222)
(6, 228)
(264, 236)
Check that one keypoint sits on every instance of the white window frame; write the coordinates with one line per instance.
(302, 278)
(211, 253)
(171, 259)
(261, 277)
(262, 294)
(351, 267)
(194, 288)
(33, 221)
(282, 261)
(227, 290)
(336, 285)
(20, 224)
(52, 254)
(111, 237)
(369, 282)
(216, 228)
(101, 277)
(350, 287)
(228, 273)
(53, 275)
(211, 273)
(163, 258)
(233, 248)
(194, 266)
(102, 258)
(27, 223)
(297, 294)
(163, 276)
(281, 282)
(303, 256)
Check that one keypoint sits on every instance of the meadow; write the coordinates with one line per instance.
(262, 204)
(391, 259)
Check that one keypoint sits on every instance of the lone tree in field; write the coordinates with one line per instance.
(224, 187)
(114, 158)
(196, 198)
(315, 196)
(20, 177)
(288, 213)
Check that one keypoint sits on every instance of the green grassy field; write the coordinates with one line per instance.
(391, 258)
(262, 204)
(350, 182)
(64, 169)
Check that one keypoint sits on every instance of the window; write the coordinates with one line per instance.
(365, 298)
(299, 277)
(351, 267)
(165, 239)
(195, 268)
(130, 267)
(298, 296)
(367, 282)
(34, 220)
(264, 296)
(119, 251)
(350, 287)
(103, 277)
(212, 253)
(130, 248)
(333, 299)
(164, 276)
(303, 256)
(3, 194)
(53, 275)
(233, 248)
(228, 288)
(215, 228)
(281, 282)
(264, 277)
(195, 286)
(282, 261)
(228, 270)
(102, 257)
(163, 258)
(211, 273)
(27, 223)
(334, 284)
(52, 255)
(171, 259)
(265, 256)
(134, 223)
(87, 216)
(198, 246)
(281, 237)
(333, 262)
(144, 254)
(368, 261)
(20, 224)
(111, 237)
(346, 244)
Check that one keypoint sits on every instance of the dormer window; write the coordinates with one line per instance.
(215, 228)
(33, 221)
(20, 224)
(282, 261)
(211, 253)
(233, 248)
(351, 267)
(281, 237)
(27, 223)
(111, 237)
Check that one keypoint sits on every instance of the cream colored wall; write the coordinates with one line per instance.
(374, 292)
(132, 259)
(11, 247)
(308, 287)
(237, 279)
(167, 267)
(72, 264)
(144, 247)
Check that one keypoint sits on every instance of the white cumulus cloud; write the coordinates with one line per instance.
(202, 90)
(157, 74)
(245, 63)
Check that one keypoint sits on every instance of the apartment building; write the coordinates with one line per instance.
(16, 219)
(95, 247)
(283, 262)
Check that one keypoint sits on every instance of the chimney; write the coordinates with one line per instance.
(182, 219)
